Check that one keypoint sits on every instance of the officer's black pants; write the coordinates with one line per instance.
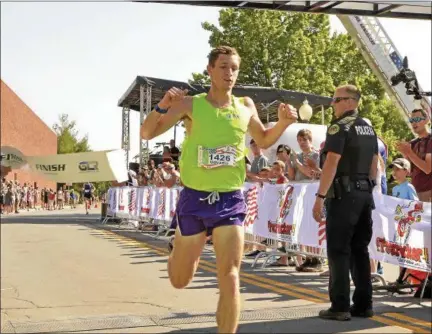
(349, 231)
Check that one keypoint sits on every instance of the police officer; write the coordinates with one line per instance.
(350, 157)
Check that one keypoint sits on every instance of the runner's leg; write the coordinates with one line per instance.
(228, 242)
(183, 260)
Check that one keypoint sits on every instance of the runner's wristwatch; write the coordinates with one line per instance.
(320, 196)
(160, 110)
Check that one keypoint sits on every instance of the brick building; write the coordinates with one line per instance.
(23, 129)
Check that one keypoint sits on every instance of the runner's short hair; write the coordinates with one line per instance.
(221, 50)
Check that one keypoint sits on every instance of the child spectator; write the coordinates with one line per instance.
(404, 189)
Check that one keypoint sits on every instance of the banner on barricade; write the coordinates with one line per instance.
(402, 233)
(146, 202)
(401, 229)
(280, 212)
(251, 192)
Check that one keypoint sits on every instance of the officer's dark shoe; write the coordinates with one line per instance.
(332, 315)
(305, 264)
(315, 266)
(368, 313)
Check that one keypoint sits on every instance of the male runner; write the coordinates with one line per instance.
(87, 190)
(213, 172)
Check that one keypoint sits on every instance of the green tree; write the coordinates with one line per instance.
(297, 51)
(68, 140)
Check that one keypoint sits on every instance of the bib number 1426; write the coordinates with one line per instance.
(221, 158)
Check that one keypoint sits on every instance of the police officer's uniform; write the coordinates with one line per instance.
(349, 206)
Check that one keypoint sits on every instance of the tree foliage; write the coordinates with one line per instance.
(297, 51)
(68, 140)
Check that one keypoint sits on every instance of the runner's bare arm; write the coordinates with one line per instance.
(267, 137)
(178, 106)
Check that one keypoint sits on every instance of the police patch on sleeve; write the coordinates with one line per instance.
(333, 129)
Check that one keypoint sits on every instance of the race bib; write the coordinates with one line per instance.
(216, 157)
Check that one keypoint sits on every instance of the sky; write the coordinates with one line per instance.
(79, 58)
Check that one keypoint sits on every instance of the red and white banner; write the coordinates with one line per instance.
(401, 229)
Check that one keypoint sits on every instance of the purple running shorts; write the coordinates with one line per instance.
(194, 213)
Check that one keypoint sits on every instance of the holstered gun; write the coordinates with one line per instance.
(346, 183)
(337, 187)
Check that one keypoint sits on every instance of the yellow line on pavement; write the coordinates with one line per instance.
(403, 317)
(262, 282)
(267, 286)
(288, 286)
(390, 322)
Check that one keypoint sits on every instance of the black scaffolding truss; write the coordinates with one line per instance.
(145, 92)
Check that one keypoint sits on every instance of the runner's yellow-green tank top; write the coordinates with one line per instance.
(213, 152)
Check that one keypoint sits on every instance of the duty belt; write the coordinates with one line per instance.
(344, 184)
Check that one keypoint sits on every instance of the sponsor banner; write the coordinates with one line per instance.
(401, 229)
(12, 157)
(81, 167)
(402, 233)
(70, 168)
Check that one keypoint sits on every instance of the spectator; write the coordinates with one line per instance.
(60, 198)
(133, 178)
(248, 165)
(283, 154)
(51, 199)
(405, 190)
(73, 198)
(172, 177)
(304, 166)
(278, 172)
(383, 155)
(175, 152)
(36, 197)
(299, 168)
(166, 155)
(265, 173)
(258, 163)
(9, 199)
(142, 176)
(419, 152)
(3, 192)
(159, 176)
(45, 198)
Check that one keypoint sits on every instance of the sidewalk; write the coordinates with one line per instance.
(67, 210)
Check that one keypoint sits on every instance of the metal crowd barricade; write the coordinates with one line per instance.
(292, 249)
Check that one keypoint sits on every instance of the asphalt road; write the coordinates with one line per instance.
(64, 272)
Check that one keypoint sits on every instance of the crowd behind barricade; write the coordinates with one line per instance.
(291, 166)
(16, 197)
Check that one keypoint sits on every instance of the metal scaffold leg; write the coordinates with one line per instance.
(126, 133)
(145, 109)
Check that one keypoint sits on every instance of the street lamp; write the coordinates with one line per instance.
(305, 111)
